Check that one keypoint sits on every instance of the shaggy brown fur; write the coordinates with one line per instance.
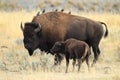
(59, 26)
(73, 49)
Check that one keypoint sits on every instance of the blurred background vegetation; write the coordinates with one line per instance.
(70, 5)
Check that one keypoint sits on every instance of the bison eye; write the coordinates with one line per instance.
(59, 44)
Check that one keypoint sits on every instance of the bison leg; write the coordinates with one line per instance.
(74, 61)
(58, 58)
(98, 51)
(96, 54)
(79, 64)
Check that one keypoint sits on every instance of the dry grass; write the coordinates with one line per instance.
(16, 63)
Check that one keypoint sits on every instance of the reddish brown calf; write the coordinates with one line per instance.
(73, 49)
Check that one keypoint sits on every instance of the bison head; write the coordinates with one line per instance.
(32, 35)
(58, 47)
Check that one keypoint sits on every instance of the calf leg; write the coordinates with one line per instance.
(79, 64)
(87, 62)
(87, 59)
(67, 64)
(74, 61)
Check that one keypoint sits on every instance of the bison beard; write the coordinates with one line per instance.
(30, 52)
(58, 26)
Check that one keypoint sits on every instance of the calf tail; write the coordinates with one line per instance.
(106, 32)
(85, 53)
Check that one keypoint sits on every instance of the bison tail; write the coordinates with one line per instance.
(106, 32)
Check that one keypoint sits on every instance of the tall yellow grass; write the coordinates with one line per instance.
(10, 22)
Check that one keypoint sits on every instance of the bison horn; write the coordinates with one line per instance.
(22, 27)
(38, 28)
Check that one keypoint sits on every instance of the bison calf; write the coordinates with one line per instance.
(73, 49)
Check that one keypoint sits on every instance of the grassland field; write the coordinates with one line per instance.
(16, 64)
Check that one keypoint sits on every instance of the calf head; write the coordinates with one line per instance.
(58, 47)
(32, 35)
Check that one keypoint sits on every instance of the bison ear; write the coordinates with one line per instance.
(21, 26)
(38, 29)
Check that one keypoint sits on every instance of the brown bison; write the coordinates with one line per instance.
(46, 29)
(73, 49)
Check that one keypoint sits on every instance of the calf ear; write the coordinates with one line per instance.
(63, 43)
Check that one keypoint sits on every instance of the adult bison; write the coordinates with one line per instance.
(46, 29)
